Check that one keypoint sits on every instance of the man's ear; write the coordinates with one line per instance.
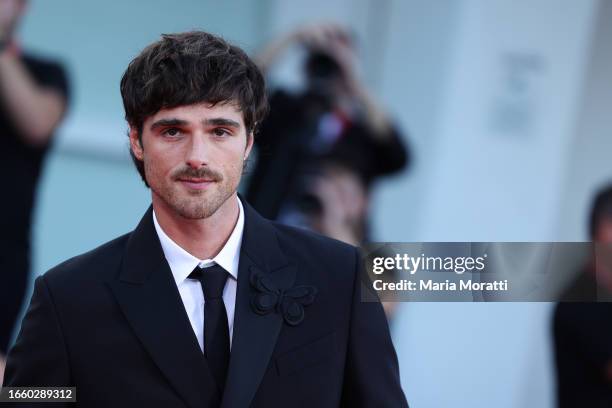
(249, 145)
(135, 143)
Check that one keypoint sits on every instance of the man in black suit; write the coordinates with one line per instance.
(205, 303)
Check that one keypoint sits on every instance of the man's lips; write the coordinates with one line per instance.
(196, 183)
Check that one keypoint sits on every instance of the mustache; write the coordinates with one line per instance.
(201, 173)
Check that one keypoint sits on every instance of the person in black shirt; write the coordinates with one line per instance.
(320, 150)
(582, 326)
(33, 98)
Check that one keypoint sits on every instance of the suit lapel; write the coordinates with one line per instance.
(149, 298)
(254, 335)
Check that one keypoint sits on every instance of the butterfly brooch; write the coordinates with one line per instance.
(272, 296)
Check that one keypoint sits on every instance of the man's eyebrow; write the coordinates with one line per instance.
(168, 122)
(221, 122)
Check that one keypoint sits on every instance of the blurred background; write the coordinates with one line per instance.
(503, 106)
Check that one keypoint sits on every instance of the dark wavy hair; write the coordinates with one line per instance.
(189, 68)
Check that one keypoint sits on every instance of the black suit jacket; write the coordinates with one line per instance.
(111, 323)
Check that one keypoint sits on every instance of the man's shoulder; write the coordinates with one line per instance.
(328, 264)
(96, 264)
(311, 238)
(304, 243)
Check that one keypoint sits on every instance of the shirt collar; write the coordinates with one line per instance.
(182, 263)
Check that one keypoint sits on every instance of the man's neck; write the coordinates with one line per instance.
(202, 238)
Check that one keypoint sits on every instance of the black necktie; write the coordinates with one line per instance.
(216, 331)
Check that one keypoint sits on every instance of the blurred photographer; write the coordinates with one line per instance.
(320, 150)
(582, 320)
(33, 98)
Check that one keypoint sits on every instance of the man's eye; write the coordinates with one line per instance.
(172, 132)
(220, 132)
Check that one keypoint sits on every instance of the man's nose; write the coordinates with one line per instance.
(198, 151)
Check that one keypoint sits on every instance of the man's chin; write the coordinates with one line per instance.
(194, 213)
(196, 206)
(193, 208)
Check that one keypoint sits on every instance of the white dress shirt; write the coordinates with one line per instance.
(182, 263)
